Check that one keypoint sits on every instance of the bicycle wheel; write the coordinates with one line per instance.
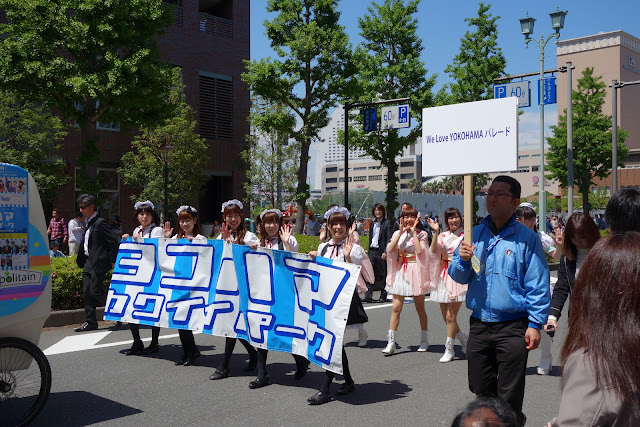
(25, 381)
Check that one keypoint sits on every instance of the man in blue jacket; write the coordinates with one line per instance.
(508, 295)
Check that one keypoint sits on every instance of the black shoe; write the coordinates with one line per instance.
(302, 370)
(258, 383)
(218, 374)
(319, 398)
(346, 388)
(136, 348)
(118, 324)
(382, 299)
(153, 348)
(369, 300)
(191, 358)
(251, 366)
(86, 327)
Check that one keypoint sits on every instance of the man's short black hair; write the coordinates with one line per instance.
(623, 210)
(514, 185)
(87, 199)
(480, 411)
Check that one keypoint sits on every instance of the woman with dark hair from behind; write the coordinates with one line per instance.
(580, 234)
(601, 373)
(486, 411)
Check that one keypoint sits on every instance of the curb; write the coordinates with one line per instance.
(69, 317)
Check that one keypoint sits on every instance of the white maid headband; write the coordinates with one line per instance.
(189, 209)
(238, 203)
(139, 205)
(343, 211)
(275, 211)
(526, 205)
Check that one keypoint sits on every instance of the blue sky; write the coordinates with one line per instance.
(441, 25)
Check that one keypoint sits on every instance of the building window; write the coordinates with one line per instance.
(332, 188)
(375, 177)
(523, 169)
(406, 164)
(535, 168)
(359, 178)
(109, 196)
(216, 106)
(113, 126)
(407, 176)
(523, 157)
(360, 168)
(332, 169)
(404, 186)
(535, 156)
(374, 167)
(331, 180)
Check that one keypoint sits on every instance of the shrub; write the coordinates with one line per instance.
(310, 243)
(66, 284)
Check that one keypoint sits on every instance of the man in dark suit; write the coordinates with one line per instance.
(96, 256)
(379, 236)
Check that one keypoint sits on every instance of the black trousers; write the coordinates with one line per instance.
(93, 294)
(379, 269)
(497, 359)
(229, 345)
(301, 362)
(329, 376)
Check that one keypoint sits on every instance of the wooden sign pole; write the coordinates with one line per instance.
(468, 208)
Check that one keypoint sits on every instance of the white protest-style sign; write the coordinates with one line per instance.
(470, 138)
(273, 299)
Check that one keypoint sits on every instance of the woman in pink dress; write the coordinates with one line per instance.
(448, 293)
(408, 275)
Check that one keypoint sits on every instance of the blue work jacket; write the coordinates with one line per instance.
(513, 280)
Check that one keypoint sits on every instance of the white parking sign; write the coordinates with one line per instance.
(518, 89)
(396, 117)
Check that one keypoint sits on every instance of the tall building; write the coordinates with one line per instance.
(326, 149)
(613, 55)
(208, 40)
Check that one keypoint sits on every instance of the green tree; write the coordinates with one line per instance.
(474, 68)
(388, 67)
(479, 61)
(143, 167)
(308, 76)
(271, 159)
(415, 186)
(88, 60)
(30, 137)
(591, 139)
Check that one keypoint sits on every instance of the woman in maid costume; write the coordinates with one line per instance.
(340, 247)
(233, 231)
(147, 217)
(189, 228)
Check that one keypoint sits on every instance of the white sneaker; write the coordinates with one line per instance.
(391, 343)
(448, 351)
(463, 338)
(424, 341)
(543, 371)
(362, 336)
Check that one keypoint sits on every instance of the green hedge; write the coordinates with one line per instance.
(66, 284)
(66, 277)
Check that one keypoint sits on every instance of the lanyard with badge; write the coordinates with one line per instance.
(479, 265)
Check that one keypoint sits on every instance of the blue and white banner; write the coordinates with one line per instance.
(273, 299)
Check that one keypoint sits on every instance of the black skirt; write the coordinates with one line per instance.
(356, 310)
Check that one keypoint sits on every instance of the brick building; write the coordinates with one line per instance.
(209, 40)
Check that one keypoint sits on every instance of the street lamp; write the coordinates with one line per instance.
(167, 149)
(526, 25)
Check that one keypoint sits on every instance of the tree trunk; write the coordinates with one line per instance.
(585, 200)
(302, 189)
(391, 188)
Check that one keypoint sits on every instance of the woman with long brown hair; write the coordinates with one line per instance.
(601, 373)
(579, 236)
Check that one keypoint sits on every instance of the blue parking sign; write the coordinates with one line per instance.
(403, 116)
(369, 119)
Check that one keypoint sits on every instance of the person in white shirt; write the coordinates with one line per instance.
(310, 226)
(76, 228)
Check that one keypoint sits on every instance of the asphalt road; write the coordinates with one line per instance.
(93, 383)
